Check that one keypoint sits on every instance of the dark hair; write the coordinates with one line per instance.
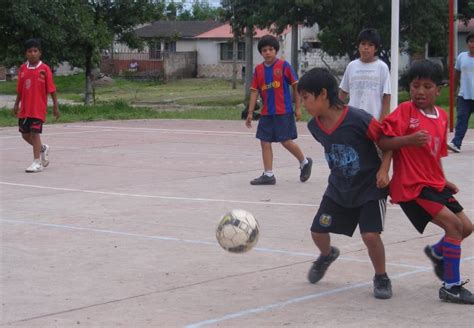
(469, 36)
(425, 69)
(317, 79)
(371, 35)
(268, 40)
(32, 43)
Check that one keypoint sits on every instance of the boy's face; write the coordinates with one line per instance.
(423, 93)
(33, 55)
(470, 45)
(313, 104)
(268, 54)
(367, 51)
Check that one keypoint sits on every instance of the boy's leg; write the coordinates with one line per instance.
(376, 251)
(267, 178)
(463, 113)
(328, 255)
(305, 162)
(452, 289)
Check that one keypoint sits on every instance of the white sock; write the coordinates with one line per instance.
(303, 162)
(268, 173)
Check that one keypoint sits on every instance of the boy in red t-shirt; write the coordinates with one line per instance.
(35, 81)
(416, 132)
(273, 80)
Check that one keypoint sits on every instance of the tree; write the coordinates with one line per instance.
(81, 29)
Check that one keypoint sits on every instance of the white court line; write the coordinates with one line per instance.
(291, 301)
(183, 131)
(192, 199)
(191, 241)
(54, 134)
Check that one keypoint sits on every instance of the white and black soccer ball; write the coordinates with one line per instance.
(238, 231)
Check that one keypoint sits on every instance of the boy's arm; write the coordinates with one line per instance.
(56, 113)
(17, 105)
(252, 103)
(343, 95)
(297, 101)
(382, 176)
(385, 106)
(417, 139)
(457, 78)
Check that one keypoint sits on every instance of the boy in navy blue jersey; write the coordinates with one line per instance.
(356, 194)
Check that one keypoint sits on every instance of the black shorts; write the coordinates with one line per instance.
(30, 124)
(277, 128)
(332, 217)
(427, 205)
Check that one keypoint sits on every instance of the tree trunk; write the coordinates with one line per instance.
(234, 63)
(88, 90)
(294, 48)
(248, 62)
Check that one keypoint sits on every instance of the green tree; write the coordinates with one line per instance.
(72, 30)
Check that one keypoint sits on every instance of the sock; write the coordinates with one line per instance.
(438, 248)
(268, 173)
(452, 259)
(303, 162)
(43, 148)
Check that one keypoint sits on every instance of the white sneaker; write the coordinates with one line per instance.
(453, 147)
(44, 155)
(35, 167)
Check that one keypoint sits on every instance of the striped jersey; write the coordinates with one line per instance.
(273, 83)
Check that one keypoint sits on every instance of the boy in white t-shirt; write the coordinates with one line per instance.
(367, 79)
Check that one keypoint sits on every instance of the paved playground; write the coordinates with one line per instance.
(119, 232)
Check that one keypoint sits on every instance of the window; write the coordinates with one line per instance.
(226, 51)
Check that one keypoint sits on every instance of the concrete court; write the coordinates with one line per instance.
(119, 232)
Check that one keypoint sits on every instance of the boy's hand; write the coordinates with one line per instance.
(15, 110)
(452, 186)
(298, 113)
(248, 121)
(419, 138)
(56, 112)
(382, 179)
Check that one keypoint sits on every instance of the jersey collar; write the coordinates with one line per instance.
(33, 67)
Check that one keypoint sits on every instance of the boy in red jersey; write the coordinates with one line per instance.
(35, 81)
(416, 132)
(273, 79)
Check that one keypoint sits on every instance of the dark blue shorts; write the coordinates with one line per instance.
(277, 128)
(30, 124)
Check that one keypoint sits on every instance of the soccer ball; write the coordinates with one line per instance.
(237, 232)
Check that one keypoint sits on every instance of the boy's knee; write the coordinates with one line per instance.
(467, 230)
(371, 238)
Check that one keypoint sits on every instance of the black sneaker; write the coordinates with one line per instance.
(319, 267)
(306, 170)
(456, 294)
(438, 263)
(382, 287)
(264, 180)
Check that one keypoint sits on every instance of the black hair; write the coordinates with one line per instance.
(33, 43)
(317, 79)
(425, 69)
(268, 40)
(469, 36)
(371, 35)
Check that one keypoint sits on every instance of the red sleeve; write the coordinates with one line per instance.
(396, 124)
(50, 86)
(375, 130)
(254, 85)
(290, 74)
(444, 142)
(20, 81)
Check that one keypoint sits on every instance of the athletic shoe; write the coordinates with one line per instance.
(320, 266)
(456, 294)
(453, 147)
(438, 263)
(44, 155)
(263, 180)
(382, 287)
(306, 170)
(35, 167)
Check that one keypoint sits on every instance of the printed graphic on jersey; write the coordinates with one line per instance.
(345, 158)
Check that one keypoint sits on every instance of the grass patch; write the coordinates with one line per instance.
(120, 110)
